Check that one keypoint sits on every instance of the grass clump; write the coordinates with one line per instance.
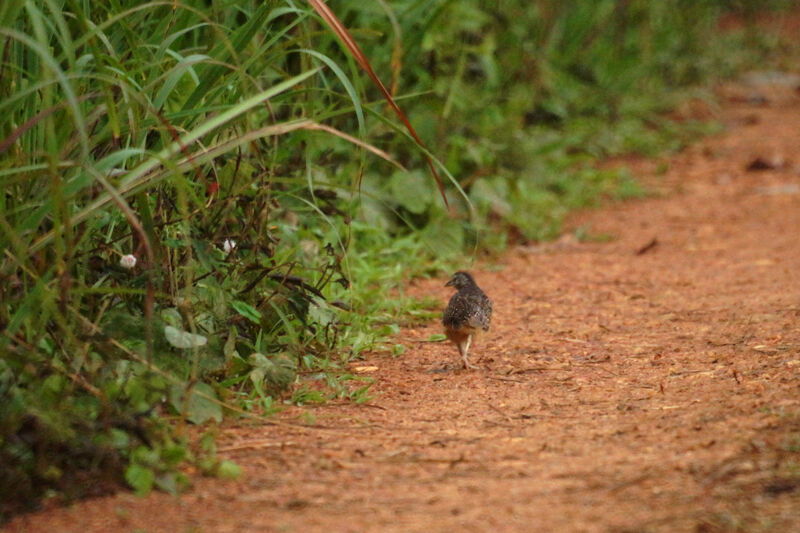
(521, 100)
(173, 243)
(202, 201)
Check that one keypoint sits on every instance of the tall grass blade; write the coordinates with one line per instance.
(339, 29)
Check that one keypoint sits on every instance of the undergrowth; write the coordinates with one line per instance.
(205, 204)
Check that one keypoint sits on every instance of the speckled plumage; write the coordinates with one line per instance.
(469, 311)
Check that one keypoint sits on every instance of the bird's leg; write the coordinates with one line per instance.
(465, 353)
(460, 346)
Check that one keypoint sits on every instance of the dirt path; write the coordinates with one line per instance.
(620, 392)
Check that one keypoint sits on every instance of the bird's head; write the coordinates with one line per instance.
(460, 280)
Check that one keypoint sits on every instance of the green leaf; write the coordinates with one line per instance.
(229, 349)
(437, 337)
(168, 483)
(492, 194)
(412, 190)
(171, 316)
(247, 311)
(320, 313)
(272, 374)
(183, 339)
(174, 454)
(229, 470)
(140, 478)
(202, 405)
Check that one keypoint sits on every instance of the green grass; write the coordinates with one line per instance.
(165, 129)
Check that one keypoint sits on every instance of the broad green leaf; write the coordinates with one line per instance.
(412, 190)
(171, 316)
(229, 470)
(140, 478)
(202, 405)
(183, 339)
(272, 374)
(320, 313)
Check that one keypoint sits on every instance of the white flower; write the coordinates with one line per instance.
(127, 261)
(228, 245)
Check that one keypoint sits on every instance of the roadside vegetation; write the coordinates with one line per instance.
(206, 204)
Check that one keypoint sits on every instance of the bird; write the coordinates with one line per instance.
(468, 312)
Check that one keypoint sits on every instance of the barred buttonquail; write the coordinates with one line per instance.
(469, 311)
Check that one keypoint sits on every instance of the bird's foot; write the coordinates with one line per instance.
(467, 365)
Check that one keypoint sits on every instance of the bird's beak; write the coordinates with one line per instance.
(449, 283)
